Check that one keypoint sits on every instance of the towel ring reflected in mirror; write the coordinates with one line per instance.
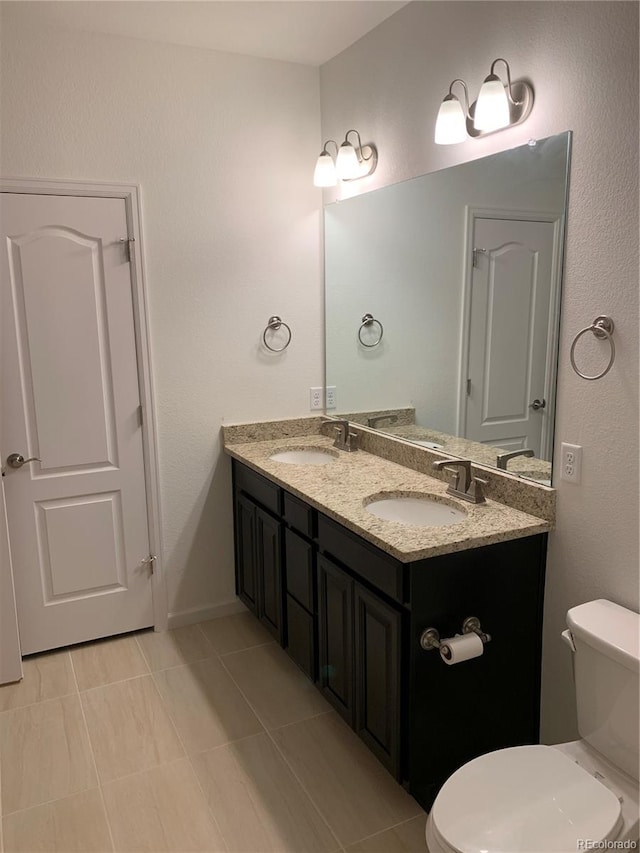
(273, 324)
(602, 328)
(367, 321)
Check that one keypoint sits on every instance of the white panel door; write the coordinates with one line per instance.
(509, 332)
(70, 397)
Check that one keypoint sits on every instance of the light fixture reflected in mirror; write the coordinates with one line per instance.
(351, 163)
(498, 106)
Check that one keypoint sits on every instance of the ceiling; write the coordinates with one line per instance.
(306, 31)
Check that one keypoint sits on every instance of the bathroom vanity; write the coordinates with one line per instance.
(349, 596)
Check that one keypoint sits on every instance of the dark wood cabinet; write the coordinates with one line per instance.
(246, 574)
(335, 637)
(360, 660)
(300, 561)
(301, 643)
(351, 617)
(378, 676)
(489, 702)
(269, 572)
(258, 542)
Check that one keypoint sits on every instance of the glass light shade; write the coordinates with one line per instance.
(492, 106)
(451, 124)
(325, 171)
(347, 163)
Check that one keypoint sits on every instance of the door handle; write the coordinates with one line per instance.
(17, 460)
(537, 404)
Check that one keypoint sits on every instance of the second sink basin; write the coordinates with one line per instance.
(416, 509)
(304, 456)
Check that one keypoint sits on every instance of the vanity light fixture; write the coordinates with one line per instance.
(499, 105)
(325, 174)
(351, 163)
(451, 124)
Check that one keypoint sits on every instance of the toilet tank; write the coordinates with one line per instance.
(607, 663)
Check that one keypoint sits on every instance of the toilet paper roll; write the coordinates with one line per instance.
(461, 647)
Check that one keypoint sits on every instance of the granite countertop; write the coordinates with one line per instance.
(474, 450)
(404, 426)
(339, 489)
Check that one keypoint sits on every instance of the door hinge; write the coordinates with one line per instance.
(477, 252)
(140, 416)
(149, 561)
(127, 242)
(468, 387)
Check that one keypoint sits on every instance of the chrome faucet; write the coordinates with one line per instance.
(463, 484)
(503, 458)
(376, 419)
(345, 439)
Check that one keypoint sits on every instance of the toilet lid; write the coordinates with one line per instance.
(527, 799)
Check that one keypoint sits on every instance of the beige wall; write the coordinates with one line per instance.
(582, 59)
(222, 146)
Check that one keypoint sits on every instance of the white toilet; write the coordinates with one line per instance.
(568, 797)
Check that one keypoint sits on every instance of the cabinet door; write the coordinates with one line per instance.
(335, 635)
(300, 637)
(300, 569)
(246, 574)
(269, 571)
(378, 677)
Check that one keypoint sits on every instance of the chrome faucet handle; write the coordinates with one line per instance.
(475, 491)
(351, 443)
(461, 468)
(470, 489)
(341, 425)
(345, 440)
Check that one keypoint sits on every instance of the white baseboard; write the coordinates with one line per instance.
(203, 614)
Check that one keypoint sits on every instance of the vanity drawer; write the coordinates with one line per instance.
(381, 570)
(300, 634)
(259, 488)
(299, 515)
(299, 563)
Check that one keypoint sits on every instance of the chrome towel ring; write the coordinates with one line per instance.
(273, 324)
(368, 320)
(602, 327)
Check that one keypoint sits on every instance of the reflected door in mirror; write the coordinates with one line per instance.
(512, 289)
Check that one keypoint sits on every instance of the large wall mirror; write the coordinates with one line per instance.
(443, 306)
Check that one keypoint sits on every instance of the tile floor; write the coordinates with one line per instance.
(206, 738)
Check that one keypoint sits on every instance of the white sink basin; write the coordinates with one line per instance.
(305, 456)
(417, 510)
(432, 445)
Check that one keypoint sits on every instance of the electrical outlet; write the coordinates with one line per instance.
(316, 398)
(331, 396)
(571, 461)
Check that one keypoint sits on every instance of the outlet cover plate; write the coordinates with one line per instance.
(571, 462)
(316, 399)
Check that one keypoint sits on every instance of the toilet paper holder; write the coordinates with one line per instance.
(430, 638)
